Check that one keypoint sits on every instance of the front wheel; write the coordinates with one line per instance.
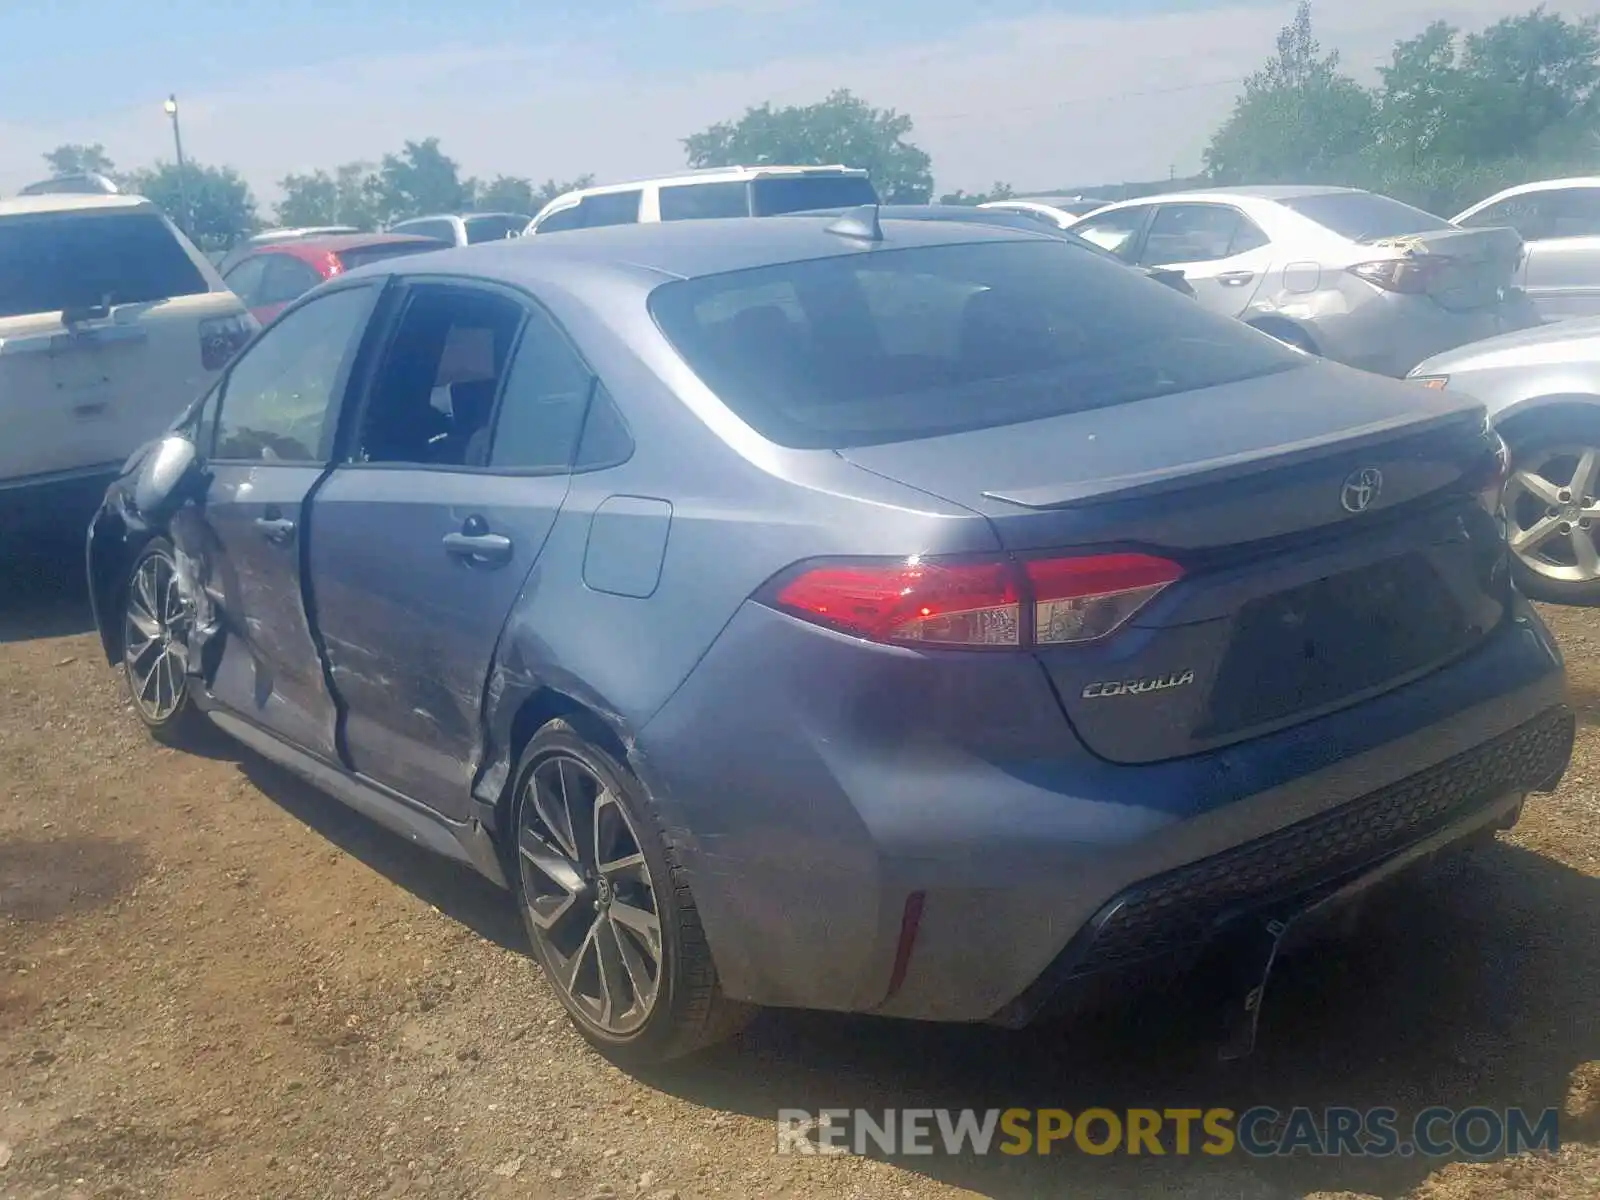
(606, 904)
(155, 645)
(1552, 506)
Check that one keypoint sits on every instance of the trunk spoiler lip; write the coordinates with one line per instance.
(1242, 464)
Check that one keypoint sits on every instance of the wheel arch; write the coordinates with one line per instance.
(1536, 414)
(113, 544)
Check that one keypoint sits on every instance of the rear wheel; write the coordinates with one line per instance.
(606, 905)
(155, 645)
(1552, 505)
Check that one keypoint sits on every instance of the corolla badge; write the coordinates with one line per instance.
(1137, 687)
(1361, 488)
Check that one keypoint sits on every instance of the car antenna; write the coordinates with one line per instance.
(859, 223)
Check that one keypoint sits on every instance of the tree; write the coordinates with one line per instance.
(840, 129)
(420, 179)
(1299, 120)
(220, 208)
(997, 191)
(75, 159)
(344, 198)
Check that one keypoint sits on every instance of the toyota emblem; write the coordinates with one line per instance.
(1361, 488)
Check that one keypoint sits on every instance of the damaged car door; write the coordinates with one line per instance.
(423, 535)
(267, 438)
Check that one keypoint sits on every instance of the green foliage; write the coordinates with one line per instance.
(213, 205)
(997, 191)
(510, 193)
(1453, 119)
(840, 129)
(421, 179)
(74, 159)
(346, 197)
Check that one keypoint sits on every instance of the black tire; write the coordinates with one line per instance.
(688, 1011)
(159, 692)
(1541, 451)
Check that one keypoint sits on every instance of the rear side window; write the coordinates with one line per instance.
(1364, 216)
(439, 231)
(566, 218)
(776, 195)
(541, 413)
(698, 201)
(286, 278)
(856, 350)
(60, 261)
(610, 208)
(360, 256)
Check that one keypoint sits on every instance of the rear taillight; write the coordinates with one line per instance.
(970, 604)
(223, 337)
(1411, 276)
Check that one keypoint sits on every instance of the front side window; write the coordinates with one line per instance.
(1577, 213)
(67, 261)
(897, 345)
(494, 228)
(435, 388)
(1115, 231)
(276, 400)
(563, 218)
(1198, 233)
(701, 201)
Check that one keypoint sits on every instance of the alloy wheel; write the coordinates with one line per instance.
(590, 895)
(154, 638)
(1551, 505)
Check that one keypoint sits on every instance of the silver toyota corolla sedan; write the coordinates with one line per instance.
(1542, 390)
(923, 618)
(1350, 275)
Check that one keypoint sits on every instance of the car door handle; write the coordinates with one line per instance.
(277, 530)
(1235, 278)
(485, 549)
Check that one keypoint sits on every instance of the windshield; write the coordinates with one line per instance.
(798, 193)
(905, 344)
(495, 228)
(80, 260)
(1364, 216)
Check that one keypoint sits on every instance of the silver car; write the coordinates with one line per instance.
(1542, 390)
(1559, 220)
(1347, 274)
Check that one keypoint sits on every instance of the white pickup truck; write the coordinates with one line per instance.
(111, 321)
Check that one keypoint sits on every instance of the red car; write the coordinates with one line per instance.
(270, 276)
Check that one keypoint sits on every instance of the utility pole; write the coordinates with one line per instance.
(183, 173)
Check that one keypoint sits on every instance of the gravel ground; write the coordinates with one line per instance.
(214, 982)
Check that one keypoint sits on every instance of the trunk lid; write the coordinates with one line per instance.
(1291, 603)
(1475, 268)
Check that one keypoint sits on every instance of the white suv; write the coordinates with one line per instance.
(108, 316)
(714, 192)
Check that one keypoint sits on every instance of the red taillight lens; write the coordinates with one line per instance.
(1004, 603)
(1411, 276)
(965, 604)
(223, 337)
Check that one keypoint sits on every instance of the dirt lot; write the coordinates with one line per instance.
(215, 983)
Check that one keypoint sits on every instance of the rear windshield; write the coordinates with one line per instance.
(57, 261)
(896, 345)
(362, 255)
(798, 193)
(494, 229)
(1364, 216)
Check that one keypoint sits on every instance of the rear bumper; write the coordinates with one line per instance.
(57, 505)
(812, 797)
(1391, 334)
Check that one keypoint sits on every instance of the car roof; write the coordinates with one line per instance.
(54, 202)
(707, 175)
(682, 249)
(337, 243)
(1548, 185)
(1284, 191)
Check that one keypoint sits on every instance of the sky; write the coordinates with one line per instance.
(1038, 93)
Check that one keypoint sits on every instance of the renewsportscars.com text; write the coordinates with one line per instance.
(1259, 1132)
